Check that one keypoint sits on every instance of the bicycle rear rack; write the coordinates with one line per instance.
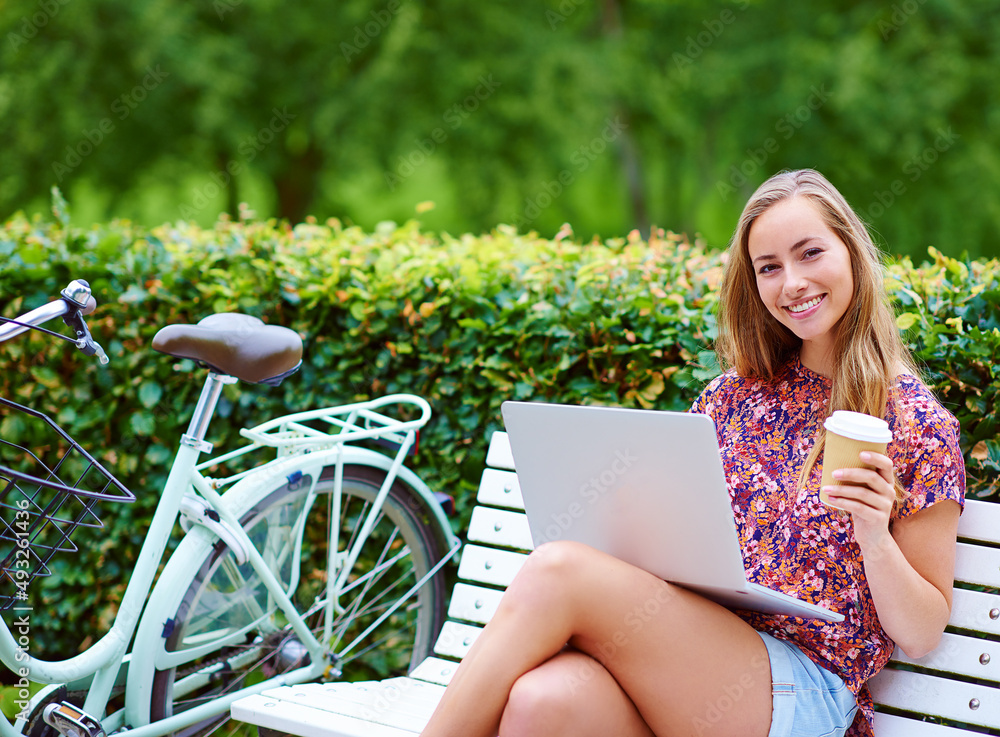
(327, 428)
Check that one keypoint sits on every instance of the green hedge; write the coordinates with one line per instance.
(464, 321)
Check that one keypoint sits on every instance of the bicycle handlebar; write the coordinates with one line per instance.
(76, 302)
(36, 317)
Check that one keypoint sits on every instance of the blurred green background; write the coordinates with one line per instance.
(610, 115)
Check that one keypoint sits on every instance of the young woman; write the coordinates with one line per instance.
(805, 329)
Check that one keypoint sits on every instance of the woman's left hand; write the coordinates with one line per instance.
(868, 494)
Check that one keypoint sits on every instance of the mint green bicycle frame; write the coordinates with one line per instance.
(301, 448)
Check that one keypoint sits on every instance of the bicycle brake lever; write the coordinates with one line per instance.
(99, 352)
(90, 347)
(84, 340)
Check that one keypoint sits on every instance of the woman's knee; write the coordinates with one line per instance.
(558, 561)
(560, 554)
(543, 701)
(550, 573)
(565, 575)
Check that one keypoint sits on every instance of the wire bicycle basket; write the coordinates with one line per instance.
(46, 495)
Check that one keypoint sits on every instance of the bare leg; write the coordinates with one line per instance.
(676, 655)
(571, 695)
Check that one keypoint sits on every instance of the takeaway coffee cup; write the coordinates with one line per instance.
(847, 434)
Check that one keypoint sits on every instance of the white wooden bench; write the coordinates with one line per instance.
(953, 691)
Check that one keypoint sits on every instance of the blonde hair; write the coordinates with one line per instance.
(868, 351)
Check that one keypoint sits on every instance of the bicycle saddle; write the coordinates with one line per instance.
(236, 345)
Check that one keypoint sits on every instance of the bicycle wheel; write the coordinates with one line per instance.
(225, 600)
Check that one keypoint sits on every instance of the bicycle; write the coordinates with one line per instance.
(307, 562)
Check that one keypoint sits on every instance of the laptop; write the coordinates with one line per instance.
(645, 486)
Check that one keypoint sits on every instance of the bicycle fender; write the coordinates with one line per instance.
(196, 511)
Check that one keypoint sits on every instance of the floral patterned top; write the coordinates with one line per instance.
(794, 543)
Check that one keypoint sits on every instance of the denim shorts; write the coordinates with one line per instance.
(807, 700)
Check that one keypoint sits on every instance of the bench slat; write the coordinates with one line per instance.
(500, 489)
(890, 725)
(397, 702)
(960, 655)
(285, 716)
(971, 610)
(977, 565)
(490, 565)
(980, 521)
(435, 670)
(473, 603)
(500, 527)
(456, 639)
(924, 694)
(499, 455)
(967, 656)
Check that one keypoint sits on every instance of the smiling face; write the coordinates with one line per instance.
(803, 273)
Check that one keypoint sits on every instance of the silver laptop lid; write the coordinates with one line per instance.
(645, 486)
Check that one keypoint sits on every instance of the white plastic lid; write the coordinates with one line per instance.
(858, 426)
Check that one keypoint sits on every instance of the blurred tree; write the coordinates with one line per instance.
(608, 114)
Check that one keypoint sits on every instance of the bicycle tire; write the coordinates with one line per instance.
(399, 644)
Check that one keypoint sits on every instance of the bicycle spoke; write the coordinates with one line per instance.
(375, 645)
(351, 615)
(404, 553)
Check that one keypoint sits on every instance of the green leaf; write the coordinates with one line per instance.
(142, 423)
(47, 377)
(150, 393)
(59, 207)
(31, 253)
(12, 427)
(358, 311)
(135, 294)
